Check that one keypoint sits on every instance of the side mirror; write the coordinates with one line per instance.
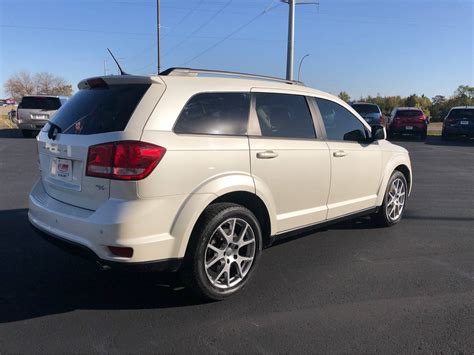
(378, 133)
(356, 136)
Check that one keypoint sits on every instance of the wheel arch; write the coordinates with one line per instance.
(398, 163)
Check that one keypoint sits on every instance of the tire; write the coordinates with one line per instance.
(222, 252)
(391, 135)
(27, 133)
(423, 136)
(386, 217)
(446, 137)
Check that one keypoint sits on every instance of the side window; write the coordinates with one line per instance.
(340, 123)
(215, 113)
(284, 116)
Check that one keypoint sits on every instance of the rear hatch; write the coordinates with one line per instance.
(410, 117)
(107, 109)
(38, 108)
(461, 117)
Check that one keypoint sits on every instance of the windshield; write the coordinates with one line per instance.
(366, 108)
(40, 103)
(462, 113)
(99, 110)
(409, 113)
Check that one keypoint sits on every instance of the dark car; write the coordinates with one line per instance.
(369, 112)
(408, 120)
(459, 123)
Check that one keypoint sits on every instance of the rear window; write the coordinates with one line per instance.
(99, 110)
(215, 113)
(40, 103)
(462, 113)
(409, 113)
(366, 108)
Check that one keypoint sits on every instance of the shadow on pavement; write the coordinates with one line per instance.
(37, 279)
(11, 133)
(453, 142)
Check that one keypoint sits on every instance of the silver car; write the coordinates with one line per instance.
(370, 112)
(34, 111)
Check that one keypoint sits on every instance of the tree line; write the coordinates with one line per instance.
(437, 107)
(44, 83)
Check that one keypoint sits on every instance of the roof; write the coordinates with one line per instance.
(462, 107)
(409, 108)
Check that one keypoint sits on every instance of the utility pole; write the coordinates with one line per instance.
(291, 40)
(158, 33)
(291, 35)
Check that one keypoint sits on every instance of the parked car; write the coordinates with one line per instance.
(459, 122)
(195, 171)
(35, 110)
(369, 112)
(408, 120)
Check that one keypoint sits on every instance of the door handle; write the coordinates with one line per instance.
(339, 154)
(268, 154)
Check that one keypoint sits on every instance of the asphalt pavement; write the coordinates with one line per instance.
(348, 288)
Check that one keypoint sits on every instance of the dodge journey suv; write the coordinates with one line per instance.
(195, 171)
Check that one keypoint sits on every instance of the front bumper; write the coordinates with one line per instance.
(116, 223)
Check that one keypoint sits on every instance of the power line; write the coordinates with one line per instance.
(267, 9)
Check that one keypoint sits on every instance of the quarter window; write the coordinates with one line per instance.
(215, 113)
(340, 124)
(285, 116)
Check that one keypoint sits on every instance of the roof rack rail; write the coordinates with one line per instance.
(194, 72)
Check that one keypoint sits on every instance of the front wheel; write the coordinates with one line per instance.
(393, 206)
(223, 251)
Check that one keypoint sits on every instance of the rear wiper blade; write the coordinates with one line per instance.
(53, 130)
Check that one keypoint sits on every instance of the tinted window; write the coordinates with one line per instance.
(458, 114)
(340, 123)
(99, 110)
(366, 108)
(285, 116)
(40, 103)
(215, 113)
(409, 113)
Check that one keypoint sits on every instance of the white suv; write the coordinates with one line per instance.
(197, 170)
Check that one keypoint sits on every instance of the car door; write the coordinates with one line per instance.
(289, 163)
(356, 165)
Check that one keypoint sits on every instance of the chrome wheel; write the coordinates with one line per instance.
(230, 253)
(396, 199)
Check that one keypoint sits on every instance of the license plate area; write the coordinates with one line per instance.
(61, 169)
(464, 122)
(409, 128)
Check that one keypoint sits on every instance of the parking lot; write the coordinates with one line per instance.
(348, 288)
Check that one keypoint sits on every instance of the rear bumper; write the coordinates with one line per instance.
(141, 225)
(33, 125)
(413, 130)
(82, 251)
(459, 131)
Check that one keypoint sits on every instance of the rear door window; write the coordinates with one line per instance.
(40, 103)
(284, 116)
(99, 110)
(215, 113)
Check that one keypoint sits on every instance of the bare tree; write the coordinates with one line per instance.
(23, 83)
(19, 85)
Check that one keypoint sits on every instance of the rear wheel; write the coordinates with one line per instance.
(445, 136)
(223, 252)
(394, 201)
(423, 136)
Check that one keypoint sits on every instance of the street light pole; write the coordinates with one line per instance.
(158, 34)
(291, 37)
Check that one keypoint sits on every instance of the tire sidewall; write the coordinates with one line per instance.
(207, 232)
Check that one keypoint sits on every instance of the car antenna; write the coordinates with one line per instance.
(116, 62)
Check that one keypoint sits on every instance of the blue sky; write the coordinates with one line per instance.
(395, 47)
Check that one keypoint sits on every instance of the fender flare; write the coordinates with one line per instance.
(397, 160)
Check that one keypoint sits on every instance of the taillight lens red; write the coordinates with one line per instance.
(125, 160)
(381, 119)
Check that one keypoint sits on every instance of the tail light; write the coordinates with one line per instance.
(124, 160)
(381, 119)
